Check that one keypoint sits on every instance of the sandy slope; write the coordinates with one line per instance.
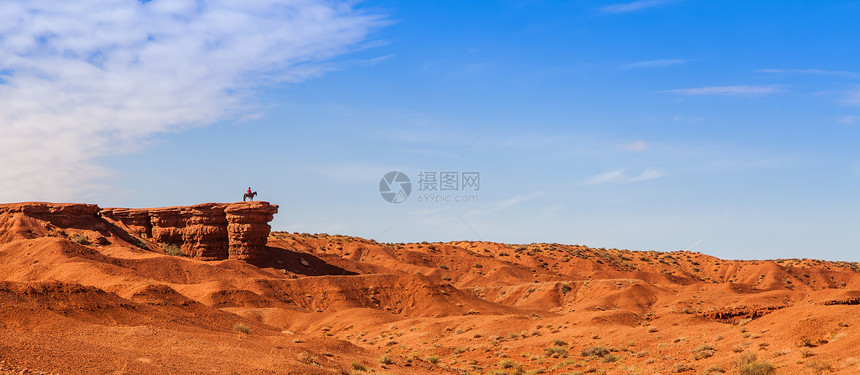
(335, 304)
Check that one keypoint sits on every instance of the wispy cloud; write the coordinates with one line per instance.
(510, 202)
(635, 146)
(85, 80)
(852, 98)
(621, 176)
(850, 120)
(634, 6)
(823, 72)
(655, 64)
(728, 90)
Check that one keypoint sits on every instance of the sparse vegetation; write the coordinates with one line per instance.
(239, 327)
(385, 359)
(565, 288)
(357, 366)
(171, 250)
(703, 351)
(555, 352)
(595, 351)
(749, 365)
(81, 239)
(434, 359)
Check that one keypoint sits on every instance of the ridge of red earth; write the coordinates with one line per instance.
(86, 290)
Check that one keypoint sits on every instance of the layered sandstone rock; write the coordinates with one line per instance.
(135, 219)
(39, 219)
(207, 231)
(248, 228)
(63, 215)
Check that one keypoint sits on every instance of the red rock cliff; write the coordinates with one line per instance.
(248, 228)
(208, 231)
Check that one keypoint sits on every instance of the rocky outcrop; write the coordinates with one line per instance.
(208, 231)
(63, 215)
(248, 228)
(136, 220)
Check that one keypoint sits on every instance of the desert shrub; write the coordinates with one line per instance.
(305, 357)
(385, 359)
(460, 349)
(239, 327)
(596, 351)
(559, 342)
(757, 368)
(703, 351)
(565, 288)
(140, 243)
(171, 250)
(681, 367)
(715, 369)
(357, 366)
(81, 239)
(434, 359)
(610, 358)
(652, 329)
(507, 364)
(819, 367)
(446, 278)
(748, 365)
(555, 352)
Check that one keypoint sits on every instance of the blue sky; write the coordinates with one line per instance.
(726, 127)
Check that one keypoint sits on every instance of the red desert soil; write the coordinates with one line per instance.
(89, 297)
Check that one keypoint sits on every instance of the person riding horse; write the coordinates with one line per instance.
(249, 194)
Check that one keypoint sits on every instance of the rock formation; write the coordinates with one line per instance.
(208, 231)
(248, 228)
(137, 220)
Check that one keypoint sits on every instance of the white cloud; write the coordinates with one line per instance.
(852, 98)
(634, 6)
(728, 90)
(620, 176)
(850, 120)
(812, 72)
(654, 64)
(635, 146)
(510, 202)
(83, 80)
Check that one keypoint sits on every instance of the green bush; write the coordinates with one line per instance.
(171, 250)
(385, 359)
(434, 359)
(239, 327)
(703, 351)
(757, 368)
(597, 351)
(555, 352)
(356, 365)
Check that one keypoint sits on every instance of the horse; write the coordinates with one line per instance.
(246, 196)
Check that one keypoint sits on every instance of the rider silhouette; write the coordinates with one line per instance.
(249, 190)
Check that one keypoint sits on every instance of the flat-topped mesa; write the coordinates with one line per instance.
(207, 231)
(214, 231)
(248, 228)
